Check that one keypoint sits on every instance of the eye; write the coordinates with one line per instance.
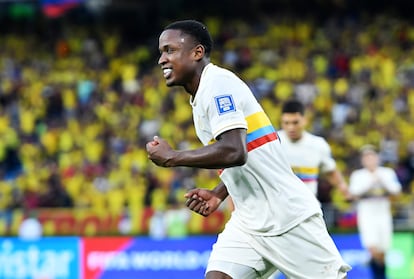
(167, 50)
(170, 50)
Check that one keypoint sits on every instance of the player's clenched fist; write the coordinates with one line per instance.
(160, 152)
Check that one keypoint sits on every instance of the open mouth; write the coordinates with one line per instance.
(167, 72)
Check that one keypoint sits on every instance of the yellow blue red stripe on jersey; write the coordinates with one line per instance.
(260, 130)
(306, 174)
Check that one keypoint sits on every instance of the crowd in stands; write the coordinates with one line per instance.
(76, 113)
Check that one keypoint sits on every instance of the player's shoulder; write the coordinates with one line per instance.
(212, 70)
(385, 169)
(315, 139)
(359, 172)
(218, 78)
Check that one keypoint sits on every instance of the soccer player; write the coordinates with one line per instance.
(309, 155)
(274, 224)
(372, 185)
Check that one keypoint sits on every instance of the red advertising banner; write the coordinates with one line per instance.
(89, 222)
(99, 253)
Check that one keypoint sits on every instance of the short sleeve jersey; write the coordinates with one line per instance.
(362, 181)
(269, 198)
(318, 157)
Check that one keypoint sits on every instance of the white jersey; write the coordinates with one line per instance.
(308, 157)
(373, 208)
(265, 191)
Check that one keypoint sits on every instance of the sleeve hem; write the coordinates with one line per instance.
(229, 127)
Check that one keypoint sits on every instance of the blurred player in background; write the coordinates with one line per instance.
(372, 187)
(309, 155)
(274, 225)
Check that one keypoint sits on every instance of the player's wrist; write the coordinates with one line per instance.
(220, 193)
(174, 159)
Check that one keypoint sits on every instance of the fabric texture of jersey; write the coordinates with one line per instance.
(373, 208)
(318, 158)
(265, 191)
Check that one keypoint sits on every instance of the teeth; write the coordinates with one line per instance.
(167, 71)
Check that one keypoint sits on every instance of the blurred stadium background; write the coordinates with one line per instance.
(81, 93)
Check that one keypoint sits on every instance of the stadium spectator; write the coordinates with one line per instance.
(55, 194)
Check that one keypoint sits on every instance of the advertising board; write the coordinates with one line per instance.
(146, 258)
(46, 258)
(142, 257)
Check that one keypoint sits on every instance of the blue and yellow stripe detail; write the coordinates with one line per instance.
(306, 174)
(260, 130)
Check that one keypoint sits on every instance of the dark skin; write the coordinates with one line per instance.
(182, 61)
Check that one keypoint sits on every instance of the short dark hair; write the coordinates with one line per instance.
(293, 106)
(195, 29)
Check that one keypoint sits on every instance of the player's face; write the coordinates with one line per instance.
(177, 57)
(293, 124)
(370, 160)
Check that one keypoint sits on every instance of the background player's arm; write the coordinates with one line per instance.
(229, 150)
(336, 179)
(389, 182)
(330, 170)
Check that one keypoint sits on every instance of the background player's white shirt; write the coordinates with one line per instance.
(267, 195)
(363, 181)
(308, 157)
(374, 212)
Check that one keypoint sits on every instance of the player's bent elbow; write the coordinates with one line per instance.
(232, 155)
(238, 158)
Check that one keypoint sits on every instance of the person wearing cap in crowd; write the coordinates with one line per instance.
(372, 186)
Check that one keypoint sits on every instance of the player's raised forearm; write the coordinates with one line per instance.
(336, 179)
(228, 151)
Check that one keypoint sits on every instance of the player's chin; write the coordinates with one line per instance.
(170, 82)
(294, 136)
(173, 81)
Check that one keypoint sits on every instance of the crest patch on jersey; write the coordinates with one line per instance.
(224, 104)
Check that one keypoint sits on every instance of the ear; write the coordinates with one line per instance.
(305, 120)
(199, 52)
